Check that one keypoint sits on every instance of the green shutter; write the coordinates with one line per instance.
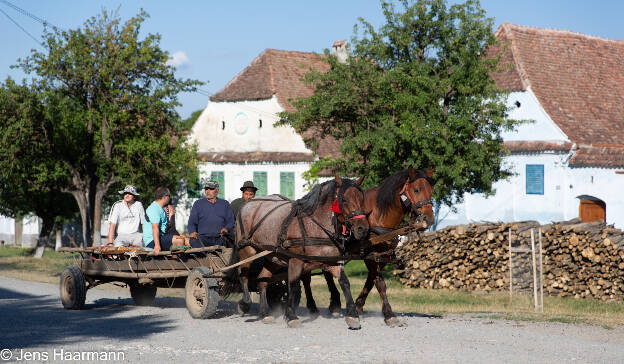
(220, 178)
(193, 188)
(260, 181)
(287, 184)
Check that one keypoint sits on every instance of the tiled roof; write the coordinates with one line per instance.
(255, 157)
(599, 156)
(533, 146)
(279, 73)
(274, 72)
(578, 79)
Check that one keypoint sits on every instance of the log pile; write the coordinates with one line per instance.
(579, 259)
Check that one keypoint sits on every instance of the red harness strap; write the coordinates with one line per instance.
(404, 190)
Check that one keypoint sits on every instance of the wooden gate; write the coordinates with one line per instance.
(592, 210)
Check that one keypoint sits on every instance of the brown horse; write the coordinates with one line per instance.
(405, 192)
(302, 235)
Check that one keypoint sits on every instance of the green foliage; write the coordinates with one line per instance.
(108, 98)
(416, 91)
(187, 124)
(31, 180)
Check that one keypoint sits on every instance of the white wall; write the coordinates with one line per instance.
(543, 128)
(562, 188)
(242, 132)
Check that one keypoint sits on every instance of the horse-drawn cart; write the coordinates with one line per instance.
(206, 274)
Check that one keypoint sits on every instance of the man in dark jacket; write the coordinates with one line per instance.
(211, 217)
(249, 191)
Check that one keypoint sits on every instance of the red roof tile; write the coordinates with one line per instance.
(255, 157)
(599, 156)
(578, 79)
(533, 146)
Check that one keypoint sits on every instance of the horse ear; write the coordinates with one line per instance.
(359, 181)
(338, 179)
(430, 172)
(411, 172)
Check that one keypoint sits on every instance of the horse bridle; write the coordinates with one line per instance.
(405, 197)
(350, 217)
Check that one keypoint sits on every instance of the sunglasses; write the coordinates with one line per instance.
(211, 188)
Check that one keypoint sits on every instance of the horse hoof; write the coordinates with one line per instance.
(353, 323)
(335, 314)
(360, 311)
(294, 323)
(243, 307)
(314, 314)
(395, 322)
(268, 320)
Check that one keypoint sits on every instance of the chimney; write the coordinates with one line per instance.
(339, 50)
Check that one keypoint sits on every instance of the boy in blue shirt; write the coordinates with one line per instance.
(155, 222)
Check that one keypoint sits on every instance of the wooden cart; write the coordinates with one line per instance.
(206, 274)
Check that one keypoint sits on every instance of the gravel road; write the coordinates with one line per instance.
(33, 322)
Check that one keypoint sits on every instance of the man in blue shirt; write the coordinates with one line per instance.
(155, 222)
(210, 218)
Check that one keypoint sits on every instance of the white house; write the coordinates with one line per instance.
(570, 161)
(236, 135)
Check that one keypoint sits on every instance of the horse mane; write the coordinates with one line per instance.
(320, 193)
(388, 189)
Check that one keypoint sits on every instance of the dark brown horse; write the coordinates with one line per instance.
(302, 235)
(405, 192)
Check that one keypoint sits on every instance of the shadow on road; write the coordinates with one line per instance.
(32, 320)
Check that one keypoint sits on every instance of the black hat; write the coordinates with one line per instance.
(248, 185)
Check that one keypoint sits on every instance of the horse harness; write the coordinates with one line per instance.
(337, 238)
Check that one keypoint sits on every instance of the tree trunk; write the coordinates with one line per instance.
(44, 236)
(59, 237)
(101, 190)
(81, 200)
(19, 228)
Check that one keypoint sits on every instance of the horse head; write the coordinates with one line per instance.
(350, 207)
(418, 189)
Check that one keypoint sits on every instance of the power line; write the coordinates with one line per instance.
(22, 28)
(24, 12)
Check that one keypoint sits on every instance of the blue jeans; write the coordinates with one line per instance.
(165, 242)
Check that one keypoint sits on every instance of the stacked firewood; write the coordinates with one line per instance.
(579, 259)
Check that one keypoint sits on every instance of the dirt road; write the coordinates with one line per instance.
(32, 321)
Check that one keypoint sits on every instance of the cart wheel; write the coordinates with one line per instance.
(143, 295)
(202, 294)
(73, 288)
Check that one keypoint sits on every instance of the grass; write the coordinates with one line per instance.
(18, 263)
(20, 259)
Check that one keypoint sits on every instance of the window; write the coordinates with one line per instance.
(287, 184)
(535, 179)
(193, 188)
(220, 178)
(260, 181)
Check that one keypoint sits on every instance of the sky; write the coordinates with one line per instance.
(212, 41)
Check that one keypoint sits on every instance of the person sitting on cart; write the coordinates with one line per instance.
(155, 222)
(211, 218)
(248, 192)
(126, 216)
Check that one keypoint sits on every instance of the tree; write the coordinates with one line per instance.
(109, 99)
(31, 180)
(187, 124)
(416, 91)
